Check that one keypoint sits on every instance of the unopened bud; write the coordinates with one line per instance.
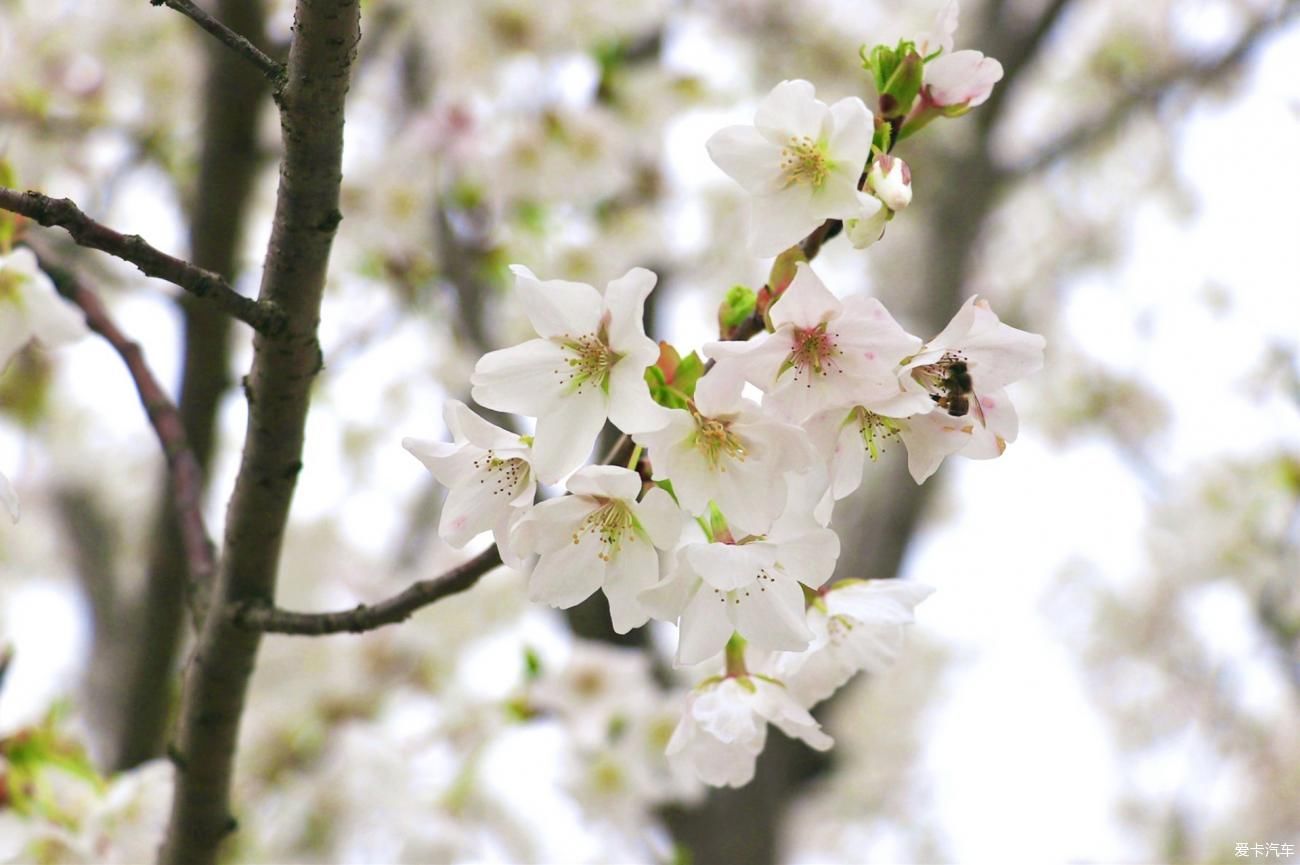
(870, 224)
(890, 179)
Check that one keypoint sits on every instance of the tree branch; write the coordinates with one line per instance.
(270, 68)
(63, 213)
(1149, 94)
(278, 389)
(186, 476)
(264, 617)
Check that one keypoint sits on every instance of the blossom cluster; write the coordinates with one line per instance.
(719, 522)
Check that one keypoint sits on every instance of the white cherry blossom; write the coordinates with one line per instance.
(801, 160)
(600, 537)
(725, 449)
(724, 728)
(587, 365)
(9, 498)
(31, 308)
(824, 351)
(858, 625)
(955, 80)
(488, 473)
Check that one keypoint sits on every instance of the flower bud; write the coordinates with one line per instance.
(891, 180)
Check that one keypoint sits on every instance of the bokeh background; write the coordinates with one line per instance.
(1110, 668)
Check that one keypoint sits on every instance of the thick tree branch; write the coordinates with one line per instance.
(271, 69)
(264, 617)
(278, 387)
(1149, 94)
(186, 477)
(62, 213)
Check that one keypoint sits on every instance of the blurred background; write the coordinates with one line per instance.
(1110, 668)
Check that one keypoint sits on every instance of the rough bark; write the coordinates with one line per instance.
(325, 36)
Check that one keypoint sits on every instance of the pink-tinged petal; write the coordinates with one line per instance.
(940, 37)
(466, 425)
(564, 437)
(450, 464)
(718, 392)
(625, 303)
(848, 462)
(810, 558)
(556, 307)
(850, 142)
(931, 437)
(998, 353)
(757, 360)
(1000, 426)
(634, 569)
(748, 158)
(529, 378)
(729, 566)
(962, 78)
(806, 302)
(705, 627)
(569, 575)
(660, 517)
(631, 408)
(779, 221)
(9, 498)
(792, 110)
(472, 506)
(772, 615)
(611, 482)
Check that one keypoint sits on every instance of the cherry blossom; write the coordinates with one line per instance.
(600, 537)
(823, 352)
(725, 449)
(31, 308)
(801, 160)
(588, 365)
(890, 179)
(9, 498)
(488, 472)
(724, 728)
(955, 81)
(858, 625)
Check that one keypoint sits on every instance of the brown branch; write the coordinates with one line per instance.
(62, 213)
(1150, 93)
(264, 617)
(278, 389)
(270, 68)
(186, 476)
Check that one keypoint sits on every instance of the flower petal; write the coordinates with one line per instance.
(772, 617)
(625, 303)
(556, 307)
(779, 221)
(468, 426)
(568, 576)
(729, 566)
(528, 378)
(613, 482)
(564, 436)
(748, 158)
(705, 627)
(9, 498)
(660, 517)
(806, 302)
(631, 408)
(790, 110)
(634, 569)
(850, 142)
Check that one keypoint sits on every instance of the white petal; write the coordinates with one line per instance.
(806, 302)
(810, 558)
(659, 515)
(14, 331)
(625, 302)
(729, 566)
(631, 408)
(529, 378)
(549, 525)
(473, 506)
(718, 391)
(53, 320)
(466, 425)
(849, 460)
(556, 307)
(564, 437)
(779, 221)
(9, 498)
(705, 627)
(772, 617)
(877, 601)
(635, 568)
(791, 718)
(929, 438)
(668, 598)
(850, 143)
(748, 158)
(791, 110)
(613, 482)
(450, 464)
(568, 575)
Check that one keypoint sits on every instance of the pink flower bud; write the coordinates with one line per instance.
(891, 180)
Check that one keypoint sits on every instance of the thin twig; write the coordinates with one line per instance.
(240, 45)
(64, 213)
(183, 468)
(264, 617)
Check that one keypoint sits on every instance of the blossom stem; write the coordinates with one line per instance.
(736, 657)
(635, 458)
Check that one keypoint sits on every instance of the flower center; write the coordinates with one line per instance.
(612, 524)
(505, 476)
(813, 354)
(804, 161)
(715, 440)
(873, 429)
(9, 282)
(949, 382)
(588, 363)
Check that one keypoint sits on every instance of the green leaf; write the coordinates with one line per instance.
(736, 307)
(689, 370)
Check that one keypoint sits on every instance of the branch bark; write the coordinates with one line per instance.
(63, 213)
(326, 33)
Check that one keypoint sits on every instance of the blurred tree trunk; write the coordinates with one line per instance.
(233, 97)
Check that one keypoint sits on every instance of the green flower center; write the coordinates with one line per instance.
(873, 430)
(589, 362)
(715, 440)
(804, 161)
(612, 523)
